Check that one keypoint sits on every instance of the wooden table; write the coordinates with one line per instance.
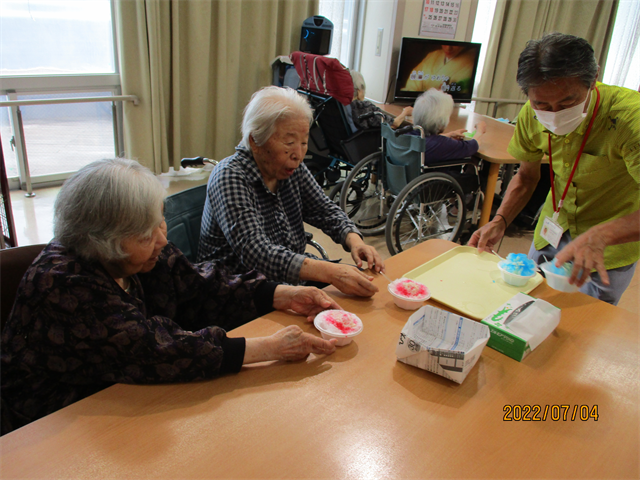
(361, 414)
(493, 148)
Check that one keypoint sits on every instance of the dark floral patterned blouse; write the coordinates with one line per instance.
(73, 331)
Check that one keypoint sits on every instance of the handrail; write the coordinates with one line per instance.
(498, 101)
(53, 101)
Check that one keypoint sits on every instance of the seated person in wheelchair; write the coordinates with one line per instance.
(109, 301)
(432, 111)
(360, 106)
(258, 199)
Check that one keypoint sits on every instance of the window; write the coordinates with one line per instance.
(344, 16)
(481, 33)
(57, 49)
(623, 60)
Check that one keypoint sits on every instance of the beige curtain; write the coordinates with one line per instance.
(194, 64)
(517, 21)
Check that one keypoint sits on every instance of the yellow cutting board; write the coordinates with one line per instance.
(468, 281)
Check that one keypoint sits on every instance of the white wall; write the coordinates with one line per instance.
(375, 70)
(399, 18)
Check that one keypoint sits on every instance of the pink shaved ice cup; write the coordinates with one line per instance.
(409, 294)
(338, 324)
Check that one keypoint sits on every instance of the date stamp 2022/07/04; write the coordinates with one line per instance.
(556, 413)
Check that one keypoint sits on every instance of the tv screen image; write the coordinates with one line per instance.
(442, 64)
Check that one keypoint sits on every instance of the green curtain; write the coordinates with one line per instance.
(517, 21)
(195, 64)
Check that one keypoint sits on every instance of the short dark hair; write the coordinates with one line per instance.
(554, 56)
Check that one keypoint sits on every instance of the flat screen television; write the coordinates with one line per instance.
(443, 64)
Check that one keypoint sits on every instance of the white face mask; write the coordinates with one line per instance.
(565, 121)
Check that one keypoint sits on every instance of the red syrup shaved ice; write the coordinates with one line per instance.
(339, 322)
(409, 288)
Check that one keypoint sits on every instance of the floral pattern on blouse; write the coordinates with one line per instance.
(73, 331)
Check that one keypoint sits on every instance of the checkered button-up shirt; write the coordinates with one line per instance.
(245, 226)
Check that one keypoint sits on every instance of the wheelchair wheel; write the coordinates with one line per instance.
(431, 206)
(336, 192)
(363, 196)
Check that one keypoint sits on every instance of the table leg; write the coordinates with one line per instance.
(492, 180)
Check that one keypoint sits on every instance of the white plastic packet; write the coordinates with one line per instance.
(442, 342)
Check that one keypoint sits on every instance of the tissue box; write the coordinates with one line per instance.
(441, 342)
(521, 324)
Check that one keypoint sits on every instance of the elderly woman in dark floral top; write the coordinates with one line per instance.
(108, 300)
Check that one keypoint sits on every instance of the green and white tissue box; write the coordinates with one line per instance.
(520, 325)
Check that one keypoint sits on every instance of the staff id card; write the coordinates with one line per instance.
(551, 231)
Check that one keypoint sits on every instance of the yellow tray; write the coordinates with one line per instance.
(468, 282)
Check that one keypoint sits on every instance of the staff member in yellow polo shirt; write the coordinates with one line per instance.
(591, 133)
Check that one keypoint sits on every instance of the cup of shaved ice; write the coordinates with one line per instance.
(558, 277)
(338, 324)
(517, 269)
(409, 294)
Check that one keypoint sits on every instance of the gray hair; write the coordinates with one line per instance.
(432, 111)
(105, 203)
(358, 82)
(555, 56)
(268, 106)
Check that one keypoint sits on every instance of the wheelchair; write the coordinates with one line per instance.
(335, 145)
(183, 214)
(396, 192)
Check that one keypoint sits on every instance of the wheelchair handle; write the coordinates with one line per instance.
(197, 162)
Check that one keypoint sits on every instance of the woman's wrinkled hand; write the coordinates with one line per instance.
(352, 281)
(308, 301)
(361, 251)
(292, 344)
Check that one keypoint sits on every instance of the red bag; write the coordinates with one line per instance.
(323, 75)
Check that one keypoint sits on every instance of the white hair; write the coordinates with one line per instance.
(105, 203)
(432, 111)
(358, 82)
(268, 106)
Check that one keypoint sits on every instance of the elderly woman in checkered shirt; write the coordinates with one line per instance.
(258, 199)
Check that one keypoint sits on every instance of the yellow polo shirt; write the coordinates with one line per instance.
(606, 183)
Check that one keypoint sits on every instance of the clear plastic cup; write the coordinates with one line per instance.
(338, 324)
(409, 294)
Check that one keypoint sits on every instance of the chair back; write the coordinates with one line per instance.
(13, 265)
(183, 214)
(403, 158)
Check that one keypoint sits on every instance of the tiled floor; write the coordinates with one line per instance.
(34, 224)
